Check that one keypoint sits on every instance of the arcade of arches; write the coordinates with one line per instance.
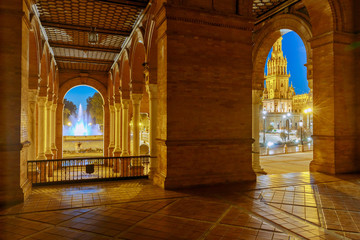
(197, 69)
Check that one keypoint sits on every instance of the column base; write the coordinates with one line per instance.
(111, 151)
(194, 181)
(124, 153)
(301, 148)
(117, 152)
(54, 152)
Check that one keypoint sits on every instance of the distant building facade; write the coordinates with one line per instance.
(282, 108)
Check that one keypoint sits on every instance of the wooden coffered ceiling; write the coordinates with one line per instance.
(262, 6)
(68, 22)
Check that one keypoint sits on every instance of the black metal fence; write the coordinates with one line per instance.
(87, 169)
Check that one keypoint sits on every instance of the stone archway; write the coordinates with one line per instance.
(63, 89)
(264, 38)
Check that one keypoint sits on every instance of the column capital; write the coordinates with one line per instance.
(136, 98)
(41, 100)
(112, 108)
(32, 95)
(54, 106)
(117, 106)
(125, 103)
(49, 104)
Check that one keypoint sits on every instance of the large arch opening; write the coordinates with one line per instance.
(83, 123)
(278, 115)
(286, 108)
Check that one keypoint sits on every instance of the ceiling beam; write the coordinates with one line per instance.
(85, 28)
(275, 10)
(139, 4)
(85, 48)
(83, 60)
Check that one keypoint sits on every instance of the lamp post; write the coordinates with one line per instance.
(264, 119)
(301, 139)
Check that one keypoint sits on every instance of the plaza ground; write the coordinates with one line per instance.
(286, 163)
(278, 206)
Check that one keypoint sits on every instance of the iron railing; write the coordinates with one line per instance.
(87, 169)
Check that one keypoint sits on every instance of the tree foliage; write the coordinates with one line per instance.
(95, 108)
(69, 109)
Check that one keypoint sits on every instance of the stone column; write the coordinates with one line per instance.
(256, 94)
(42, 137)
(41, 128)
(136, 99)
(117, 150)
(32, 123)
(53, 130)
(112, 129)
(48, 137)
(152, 90)
(125, 127)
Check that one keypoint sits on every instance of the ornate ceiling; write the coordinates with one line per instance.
(262, 6)
(68, 22)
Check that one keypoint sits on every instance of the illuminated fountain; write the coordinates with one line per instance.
(82, 136)
(81, 125)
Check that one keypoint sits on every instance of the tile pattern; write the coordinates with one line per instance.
(287, 206)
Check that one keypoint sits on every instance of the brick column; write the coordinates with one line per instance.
(204, 84)
(334, 113)
(152, 90)
(125, 127)
(117, 150)
(48, 132)
(256, 94)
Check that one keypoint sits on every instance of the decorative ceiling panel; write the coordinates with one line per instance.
(90, 13)
(66, 52)
(262, 6)
(68, 22)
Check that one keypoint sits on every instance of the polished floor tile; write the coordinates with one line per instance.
(281, 206)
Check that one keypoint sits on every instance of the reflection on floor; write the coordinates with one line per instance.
(286, 163)
(283, 206)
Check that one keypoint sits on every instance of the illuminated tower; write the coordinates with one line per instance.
(277, 94)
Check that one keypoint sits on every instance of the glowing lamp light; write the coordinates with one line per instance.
(264, 112)
(284, 116)
(309, 139)
(288, 114)
(264, 117)
(270, 144)
(69, 123)
(300, 123)
(90, 124)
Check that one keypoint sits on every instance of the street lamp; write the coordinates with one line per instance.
(301, 139)
(264, 117)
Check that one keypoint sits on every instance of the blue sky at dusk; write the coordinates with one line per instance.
(295, 52)
(79, 94)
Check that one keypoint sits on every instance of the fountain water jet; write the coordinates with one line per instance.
(81, 125)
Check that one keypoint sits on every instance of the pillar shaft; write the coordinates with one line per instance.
(41, 128)
(152, 90)
(136, 100)
(256, 94)
(53, 129)
(48, 136)
(112, 129)
(32, 123)
(117, 150)
(125, 127)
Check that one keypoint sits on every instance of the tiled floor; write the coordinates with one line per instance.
(284, 206)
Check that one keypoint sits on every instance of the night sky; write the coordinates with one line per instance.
(79, 95)
(294, 50)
